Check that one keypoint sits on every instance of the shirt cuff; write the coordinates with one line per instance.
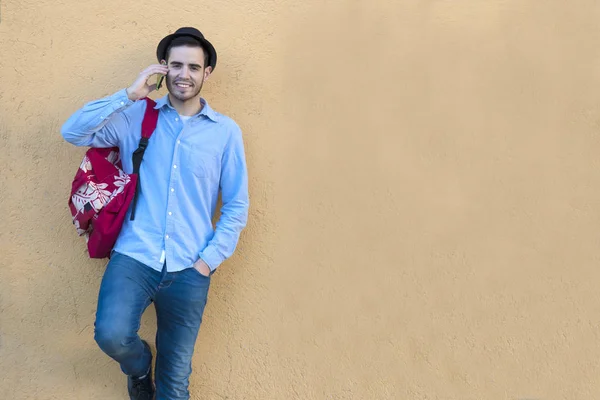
(120, 100)
(211, 257)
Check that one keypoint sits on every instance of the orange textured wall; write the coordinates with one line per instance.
(424, 186)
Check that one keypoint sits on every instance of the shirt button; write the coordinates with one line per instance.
(179, 141)
(176, 119)
(167, 236)
(170, 213)
(172, 190)
(174, 166)
(122, 103)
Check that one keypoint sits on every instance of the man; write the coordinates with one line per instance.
(168, 253)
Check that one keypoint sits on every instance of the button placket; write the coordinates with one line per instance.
(172, 199)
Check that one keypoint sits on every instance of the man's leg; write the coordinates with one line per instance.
(126, 291)
(179, 304)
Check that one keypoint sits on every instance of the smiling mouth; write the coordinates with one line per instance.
(183, 85)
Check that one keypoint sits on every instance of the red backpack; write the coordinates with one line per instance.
(101, 192)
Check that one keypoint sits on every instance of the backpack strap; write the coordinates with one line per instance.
(148, 126)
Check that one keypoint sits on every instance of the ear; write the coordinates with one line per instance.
(207, 72)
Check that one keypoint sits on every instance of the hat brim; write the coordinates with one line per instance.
(161, 50)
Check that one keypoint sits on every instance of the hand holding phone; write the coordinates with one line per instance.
(140, 88)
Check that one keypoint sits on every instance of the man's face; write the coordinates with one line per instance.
(186, 72)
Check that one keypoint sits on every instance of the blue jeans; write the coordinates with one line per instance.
(128, 287)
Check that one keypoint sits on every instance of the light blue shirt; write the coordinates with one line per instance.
(184, 167)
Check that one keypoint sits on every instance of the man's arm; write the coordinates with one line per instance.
(234, 213)
(101, 123)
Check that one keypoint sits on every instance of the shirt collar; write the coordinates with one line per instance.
(206, 109)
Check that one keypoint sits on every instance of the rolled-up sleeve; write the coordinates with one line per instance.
(100, 123)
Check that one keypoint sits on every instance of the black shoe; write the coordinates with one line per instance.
(141, 389)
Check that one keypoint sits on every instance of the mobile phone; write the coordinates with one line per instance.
(160, 79)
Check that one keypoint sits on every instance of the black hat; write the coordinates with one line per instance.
(161, 50)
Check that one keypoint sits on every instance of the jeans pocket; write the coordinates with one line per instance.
(199, 274)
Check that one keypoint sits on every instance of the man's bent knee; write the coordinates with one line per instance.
(113, 341)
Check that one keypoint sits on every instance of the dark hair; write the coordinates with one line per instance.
(190, 42)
